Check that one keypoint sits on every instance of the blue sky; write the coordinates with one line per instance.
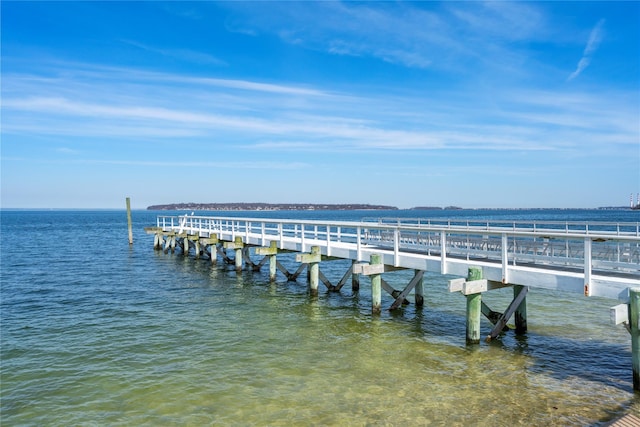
(505, 104)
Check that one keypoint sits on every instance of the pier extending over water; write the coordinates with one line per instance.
(591, 258)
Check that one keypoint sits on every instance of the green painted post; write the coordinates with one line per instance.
(419, 292)
(314, 272)
(129, 221)
(474, 308)
(634, 319)
(520, 315)
(238, 247)
(376, 286)
(273, 262)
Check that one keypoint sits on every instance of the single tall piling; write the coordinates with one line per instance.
(634, 328)
(474, 308)
(129, 221)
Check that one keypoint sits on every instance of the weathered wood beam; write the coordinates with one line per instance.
(400, 299)
(344, 279)
(468, 287)
(370, 269)
(324, 280)
(507, 314)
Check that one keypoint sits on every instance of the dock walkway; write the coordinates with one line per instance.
(596, 259)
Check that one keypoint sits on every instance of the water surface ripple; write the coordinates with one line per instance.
(95, 332)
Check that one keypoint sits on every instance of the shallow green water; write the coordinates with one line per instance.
(97, 333)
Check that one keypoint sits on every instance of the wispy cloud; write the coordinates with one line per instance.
(172, 163)
(424, 36)
(131, 104)
(180, 54)
(595, 37)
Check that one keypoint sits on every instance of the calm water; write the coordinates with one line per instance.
(95, 332)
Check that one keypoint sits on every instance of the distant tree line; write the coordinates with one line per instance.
(268, 207)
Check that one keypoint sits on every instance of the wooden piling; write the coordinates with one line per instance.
(520, 314)
(273, 262)
(419, 291)
(129, 223)
(238, 247)
(312, 261)
(634, 328)
(355, 280)
(376, 286)
(314, 269)
(474, 308)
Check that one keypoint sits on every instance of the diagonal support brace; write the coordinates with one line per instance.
(400, 299)
(502, 322)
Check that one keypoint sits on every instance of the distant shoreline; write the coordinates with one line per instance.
(332, 207)
(269, 207)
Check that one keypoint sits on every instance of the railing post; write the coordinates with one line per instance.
(328, 240)
(396, 247)
(443, 252)
(587, 266)
(358, 243)
(505, 258)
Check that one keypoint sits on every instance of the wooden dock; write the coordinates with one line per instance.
(593, 259)
(628, 420)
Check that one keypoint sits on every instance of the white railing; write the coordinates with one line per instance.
(567, 227)
(599, 248)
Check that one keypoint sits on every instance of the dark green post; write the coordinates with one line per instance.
(474, 308)
(355, 280)
(520, 314)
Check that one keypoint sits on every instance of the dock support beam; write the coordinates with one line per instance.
(270, 253)
(313, 260)
(376, 286)
(634, 319)
(355, 279)
(314, 270)
(474, 308)
(520, 314)
(236, 245)
(273, 262)
(419, 290)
